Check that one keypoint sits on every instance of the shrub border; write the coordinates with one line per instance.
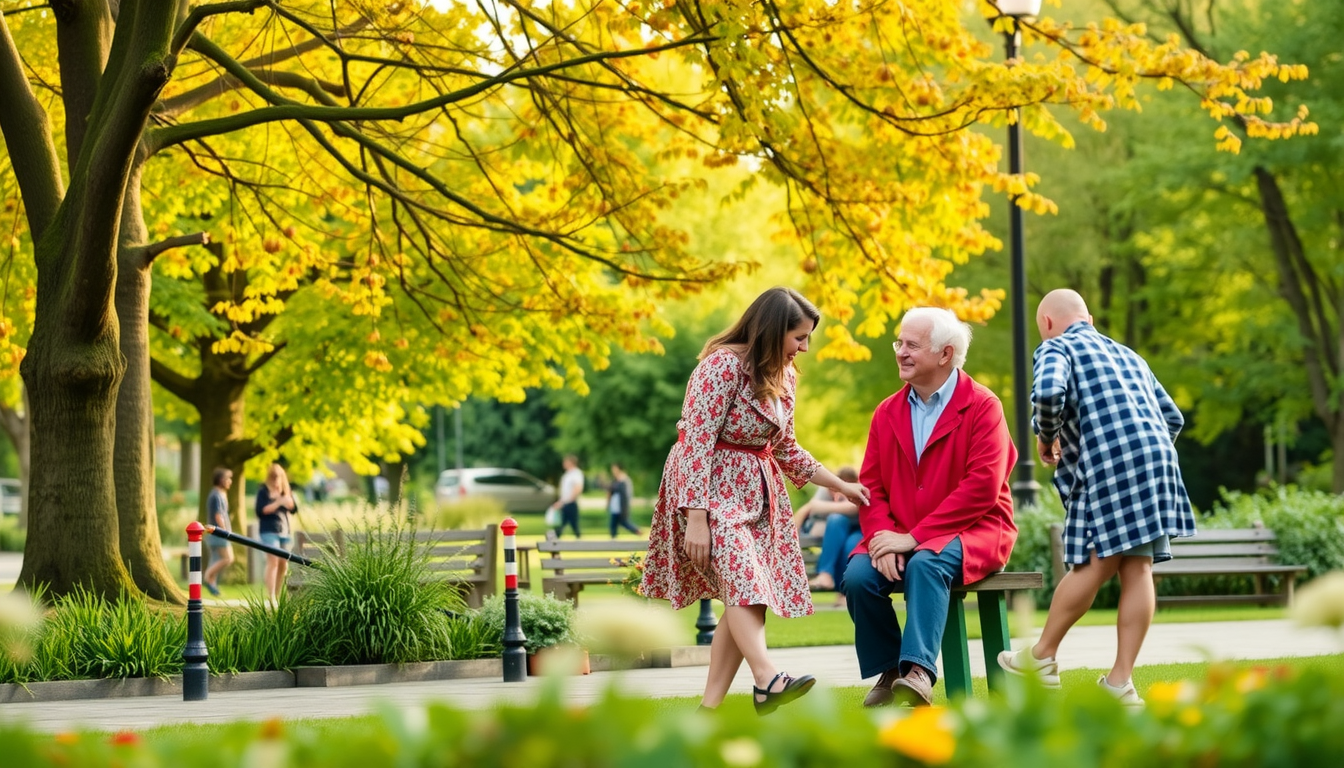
(325, 677)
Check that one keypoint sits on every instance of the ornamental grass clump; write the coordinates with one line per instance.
(87, 636)
(261, 636)
(378, 601)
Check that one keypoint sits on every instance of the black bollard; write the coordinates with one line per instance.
(707, 622)
(515, 658)
(195, 673)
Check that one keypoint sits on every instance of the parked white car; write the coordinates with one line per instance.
(515, 489)
(11, 496)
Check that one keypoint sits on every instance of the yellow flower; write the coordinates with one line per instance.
(744, 752)
(1251, 679)
(1171, 693)
(1191, 716)
(925, 735)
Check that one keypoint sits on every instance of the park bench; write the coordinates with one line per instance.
(991, 601)
(467, 558)
(1215, 552)
(567, 566)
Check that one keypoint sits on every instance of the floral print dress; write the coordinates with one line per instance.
(732, 458)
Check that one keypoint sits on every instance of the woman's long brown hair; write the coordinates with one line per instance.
(761, 331)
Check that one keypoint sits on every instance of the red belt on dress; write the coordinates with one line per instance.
(764, 452)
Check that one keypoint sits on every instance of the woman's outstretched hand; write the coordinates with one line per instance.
(855, 492)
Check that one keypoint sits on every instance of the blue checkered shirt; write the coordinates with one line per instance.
(1118, 474)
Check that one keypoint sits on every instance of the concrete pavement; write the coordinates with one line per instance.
(1086, 647)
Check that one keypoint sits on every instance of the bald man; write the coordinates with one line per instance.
(1109, 429)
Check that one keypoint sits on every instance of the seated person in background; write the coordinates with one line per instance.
(841, 534)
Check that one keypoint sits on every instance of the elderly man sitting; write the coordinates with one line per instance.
(937, 466)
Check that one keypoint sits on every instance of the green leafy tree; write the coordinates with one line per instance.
(488, 166)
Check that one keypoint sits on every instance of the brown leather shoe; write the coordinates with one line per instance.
(881, 694)
(915, 689)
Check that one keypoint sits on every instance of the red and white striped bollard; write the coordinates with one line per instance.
(195, 672)
(515, 658)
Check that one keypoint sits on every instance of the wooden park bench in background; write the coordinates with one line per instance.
(1215, 552)
(467, 558)
(567, 566)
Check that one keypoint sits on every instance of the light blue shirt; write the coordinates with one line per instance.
(924, 416)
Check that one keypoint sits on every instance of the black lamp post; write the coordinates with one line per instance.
(1025, 488)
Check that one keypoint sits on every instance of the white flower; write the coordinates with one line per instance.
(19, 617)
(1320, 603)
(742, 752)
(627, 627)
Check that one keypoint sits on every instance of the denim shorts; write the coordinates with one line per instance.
(276, 540)
(1158, 549)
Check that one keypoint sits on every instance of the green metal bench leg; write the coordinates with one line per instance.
(993, 632)
(956, 658)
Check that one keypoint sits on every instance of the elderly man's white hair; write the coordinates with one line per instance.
(945, 330)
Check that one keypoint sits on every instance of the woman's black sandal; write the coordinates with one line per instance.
(793, 688)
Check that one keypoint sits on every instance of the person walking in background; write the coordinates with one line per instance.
(722, 527)
(217, 514)
(275, 505)
(938, 462)
(618, 501)
(571, 488)
(1109, 429)
(840, 534)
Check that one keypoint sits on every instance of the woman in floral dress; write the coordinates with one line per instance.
(723, 525)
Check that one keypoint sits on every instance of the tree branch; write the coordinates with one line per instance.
(200, 13)
(151, 251)
(28, 139)
(183, 387)
(287, 109)
(264, 358)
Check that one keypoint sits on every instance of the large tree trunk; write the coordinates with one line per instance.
(133, 460)
(72, 371)
(1323, 334)
(222, 410)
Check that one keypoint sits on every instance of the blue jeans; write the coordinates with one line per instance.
(927, 584)
(842, 535)
(569, 515)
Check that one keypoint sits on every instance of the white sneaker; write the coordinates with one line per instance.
(1126, 694)
(1023, 664)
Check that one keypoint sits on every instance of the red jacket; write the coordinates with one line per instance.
(960, 487)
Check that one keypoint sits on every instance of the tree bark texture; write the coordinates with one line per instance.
(133, 460)
(1323, 337)
(73, 539)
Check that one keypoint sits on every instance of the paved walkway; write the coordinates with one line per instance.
(1086, 647)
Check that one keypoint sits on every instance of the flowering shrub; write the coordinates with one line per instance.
(1233, 717)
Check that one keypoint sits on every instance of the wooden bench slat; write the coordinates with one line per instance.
(1200, 549)
(1201, 569)
(1248, 564)
(1224, 535)
(1011, 580)
(550, 563)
